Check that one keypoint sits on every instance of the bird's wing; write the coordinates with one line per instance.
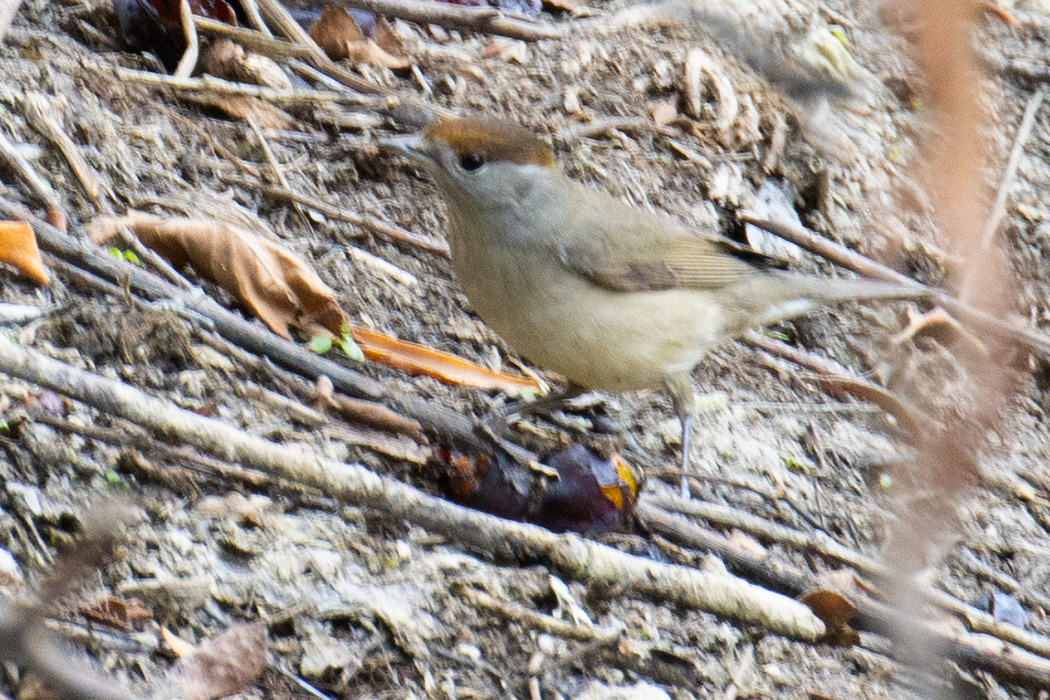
(628, 249)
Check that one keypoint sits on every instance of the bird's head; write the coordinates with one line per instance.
(479, 162)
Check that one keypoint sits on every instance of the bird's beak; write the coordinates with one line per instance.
(410, 145)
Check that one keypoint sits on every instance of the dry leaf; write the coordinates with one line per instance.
(387, 39)
(368, 52)
(228, 60)
(220, 666)
(835, 610)
(18, 248)
(334, 30)
(116, 612)
(419, 359)
(507, 49)
(339, 35)
(279, 287)
(264, 114)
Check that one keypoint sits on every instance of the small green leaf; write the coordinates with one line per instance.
(4, 426)
(351, 348)
(115, 481)
(777, 335)
(321, 344)
(885, 481)
(130, 256)
(116, 252)
(794, 464)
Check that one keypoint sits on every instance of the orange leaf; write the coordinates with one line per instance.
(419, 359)
(279, 287)
(18, 248)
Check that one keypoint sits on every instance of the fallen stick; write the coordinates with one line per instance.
(570, 555)
(484, 20)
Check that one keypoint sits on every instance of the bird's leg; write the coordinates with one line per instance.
(680, 387)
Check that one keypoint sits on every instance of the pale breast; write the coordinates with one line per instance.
(598, 338)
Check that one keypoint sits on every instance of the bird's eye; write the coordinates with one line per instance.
(471, 161)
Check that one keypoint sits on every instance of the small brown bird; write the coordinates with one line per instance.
(611, 296)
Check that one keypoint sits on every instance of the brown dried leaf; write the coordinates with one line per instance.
(334, 31)
(228, 60)
(419, 359)
(221, 666)
(835, 610)
(387, 39)
(339, 35)
(264, 114)
(368, 51)
(18, 248)
(279, 287)
(116, 612)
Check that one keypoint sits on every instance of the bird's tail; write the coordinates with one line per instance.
(784, 295)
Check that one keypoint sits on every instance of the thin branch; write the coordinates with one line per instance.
(209, 83)
(374, 226)
(485, 20)
(17, 162)
(193, 47)
(1010, 174)
(251, 336)
(39, 110)
(1006, 662)
(851, 260)
(570, 555)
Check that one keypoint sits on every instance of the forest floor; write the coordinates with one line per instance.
(359, 602)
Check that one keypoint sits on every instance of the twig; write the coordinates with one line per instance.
(570, 555)
(1010, 174)
(275, 166)
(251, 8)
(209, 83)
(189, 31)
(538, 621)
(452, 425)
(1008, 663)
(840, 380)
(257, 41)
(824, 545)
(840, 255)
(379, 228)
(386, 269)
(9, 153)
(39, 111)
(485, 20)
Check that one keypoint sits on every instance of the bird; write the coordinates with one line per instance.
(611, 296)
